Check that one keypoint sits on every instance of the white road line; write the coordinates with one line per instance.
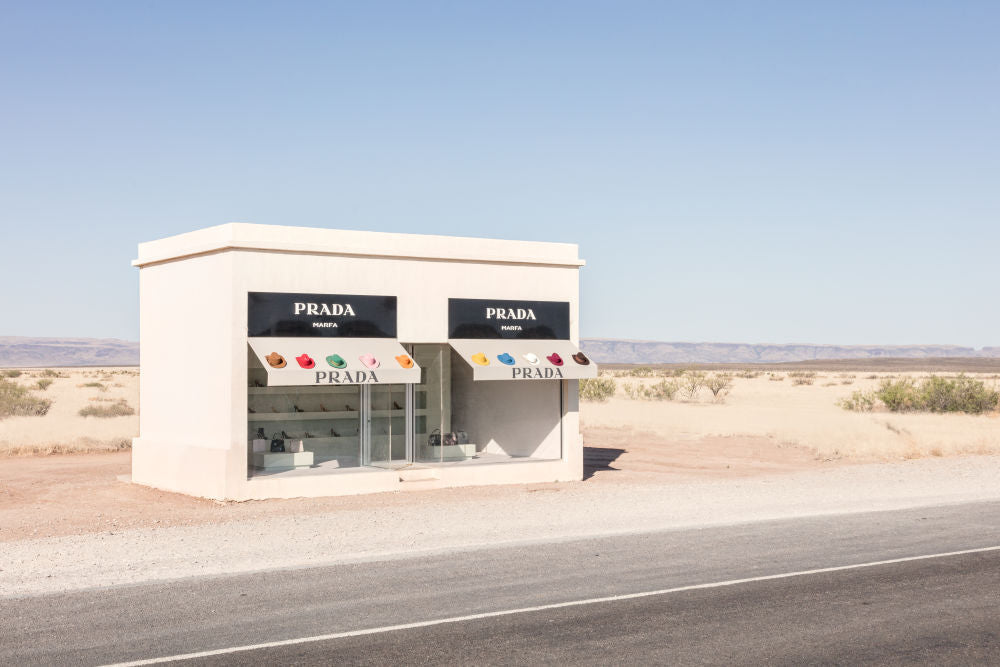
(544, 607)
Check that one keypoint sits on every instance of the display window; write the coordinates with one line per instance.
(288, 428)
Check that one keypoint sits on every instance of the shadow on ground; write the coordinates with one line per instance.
(599, 458)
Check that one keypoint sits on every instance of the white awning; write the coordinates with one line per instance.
(523, 353)
(388, 370)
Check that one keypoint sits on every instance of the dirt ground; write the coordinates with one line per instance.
(49, 496)
(769, 424)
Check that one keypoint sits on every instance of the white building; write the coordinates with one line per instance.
(392, 361)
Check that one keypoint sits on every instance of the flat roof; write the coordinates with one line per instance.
(313, 240)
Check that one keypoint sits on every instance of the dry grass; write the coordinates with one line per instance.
(119, 408)
(19, 401)
(79, 446)
(62, 429)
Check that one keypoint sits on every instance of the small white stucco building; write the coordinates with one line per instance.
(281, 362)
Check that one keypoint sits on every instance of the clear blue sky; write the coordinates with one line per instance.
(733, 171)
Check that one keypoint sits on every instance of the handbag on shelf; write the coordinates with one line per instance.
(277, 444)
(437, 438)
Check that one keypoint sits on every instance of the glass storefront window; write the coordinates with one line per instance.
(447, 418)
(325, 419)
(432, 405)
(387, 425)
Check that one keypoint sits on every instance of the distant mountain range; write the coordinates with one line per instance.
(17, 351)
(21, 352)
(615, 351)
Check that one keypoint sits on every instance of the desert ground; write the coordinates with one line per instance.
(59, 473)
(795, 410)
(62, 429)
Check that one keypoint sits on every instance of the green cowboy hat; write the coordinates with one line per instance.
(336, 361)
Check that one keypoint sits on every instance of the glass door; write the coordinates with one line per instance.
(386, 425)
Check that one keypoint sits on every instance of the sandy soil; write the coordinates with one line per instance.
(772, 406)
(763, 427)
(47, 496)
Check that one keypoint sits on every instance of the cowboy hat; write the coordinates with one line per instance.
(405, 361)
(555, 359)
(505, 359)
(336, 361)
(369, 360)
(531, 358)
(305, 361)
(581, 359)
(276, 360)
(480, 359)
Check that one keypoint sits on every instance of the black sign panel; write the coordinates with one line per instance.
(501, 318)
(320, 315)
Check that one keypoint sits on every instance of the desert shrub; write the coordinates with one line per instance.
(859, 401)
(898, 395)
(847, 382)
(747, 374)
(961, 394)
(692, 383)
(597, 389)
(802, 374)
(775, 377)
(118, 409)
(719, 384)
(18, 401)
(44, 384)
(12, 374)
(49, 373)
(640, 372)
(664, 390)
(935, 394)
(95, 385)
(800, 380)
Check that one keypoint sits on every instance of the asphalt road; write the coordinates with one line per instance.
(942, 610)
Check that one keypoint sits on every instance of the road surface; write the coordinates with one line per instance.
(885, 588)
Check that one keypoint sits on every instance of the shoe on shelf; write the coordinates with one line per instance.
(285, 436)
(260, 433)
(334, 433)
(307, 434)
(348, 407)
(251, 410)
(297, 408)
(396, 406)
(322, 408)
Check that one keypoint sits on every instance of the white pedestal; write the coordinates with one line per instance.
(267, 460)
(454, 452)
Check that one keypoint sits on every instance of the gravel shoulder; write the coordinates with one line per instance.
(400, 525)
